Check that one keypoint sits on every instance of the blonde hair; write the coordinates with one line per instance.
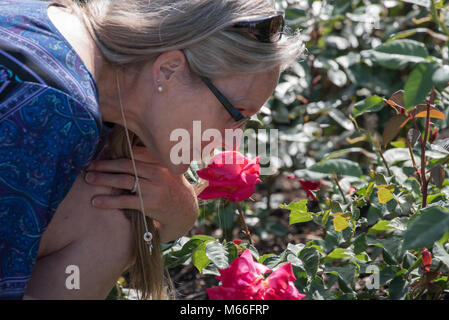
(129, 32)
(146, 271)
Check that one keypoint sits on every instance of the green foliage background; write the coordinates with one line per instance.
(330, 110)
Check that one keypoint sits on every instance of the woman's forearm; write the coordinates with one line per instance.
(97, 243)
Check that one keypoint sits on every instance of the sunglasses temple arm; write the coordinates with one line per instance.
(236, 115)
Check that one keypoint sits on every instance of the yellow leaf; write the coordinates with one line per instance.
(384, 195)
(386, 186)
(340, 223)
(421, 112)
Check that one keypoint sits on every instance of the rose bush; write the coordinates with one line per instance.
(244, 280)
(357, 116)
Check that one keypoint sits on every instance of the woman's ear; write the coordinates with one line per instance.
(167, 65)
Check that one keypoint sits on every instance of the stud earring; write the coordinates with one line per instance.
(159, 88)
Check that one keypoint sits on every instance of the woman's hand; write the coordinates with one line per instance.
(168, 199)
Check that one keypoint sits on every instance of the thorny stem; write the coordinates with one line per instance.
(425, 181)
(245, 227)
(414, 163)
(384, 161)
(339, 188)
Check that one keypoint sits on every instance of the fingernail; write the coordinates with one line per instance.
(96, 202)
(91, 166)
(90, 177)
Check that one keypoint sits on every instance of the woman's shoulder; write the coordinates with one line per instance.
(47, 138)
(35, 51)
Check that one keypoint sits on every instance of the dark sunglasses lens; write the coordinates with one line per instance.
(270, 30)
(276, 28)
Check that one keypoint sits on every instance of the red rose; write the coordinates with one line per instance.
(244, 280)
(426, 260)
(231, 175)
(309, 186)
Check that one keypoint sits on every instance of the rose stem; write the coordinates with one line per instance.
(414, 162)
(339, 187)
(425, 182)
(242, 219)
(384, 160)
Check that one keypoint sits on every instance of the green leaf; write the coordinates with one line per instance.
(217, 254)
(346, 275)
(384, 195)
(392, 247)
(393, 126)
(336, 254)
(398, 53)
(398, 288)
(342, 167)
(199, 257)
(340, 223)
(427, 228)
(380, 226)
(424, 3)
(440, 253)
(311, 259)
(265, 257)
(298, 212)
(370, 104)
(418, 84)
(440, 77)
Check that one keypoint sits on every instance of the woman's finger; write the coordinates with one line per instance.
(144, 155)
(113, 180)
(144, 170)
(116, 165)
(116, 202)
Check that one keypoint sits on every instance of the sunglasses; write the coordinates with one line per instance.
(238, 117)
(268, 29)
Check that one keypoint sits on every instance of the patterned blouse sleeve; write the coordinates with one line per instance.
(46, 139)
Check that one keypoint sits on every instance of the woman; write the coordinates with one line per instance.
(158, 66)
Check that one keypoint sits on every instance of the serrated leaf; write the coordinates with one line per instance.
(427, 228)
(398, 53)
(342, 167)
(346, 274)
(420, 111)
(199, 257)
(340, 223)
(398, 98)
(384, 195)
(440, 253)
(298, 212)
(370, 104)
(382, 225)
(413, 136)
(398, 288)
(394, 125)
(418, 85)
(217, 254)
(441, 146)
(437, 173)
(424, 3)
(336, 254)
(311, 259)
(440, 77)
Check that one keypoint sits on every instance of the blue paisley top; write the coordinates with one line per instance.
(50, 130)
